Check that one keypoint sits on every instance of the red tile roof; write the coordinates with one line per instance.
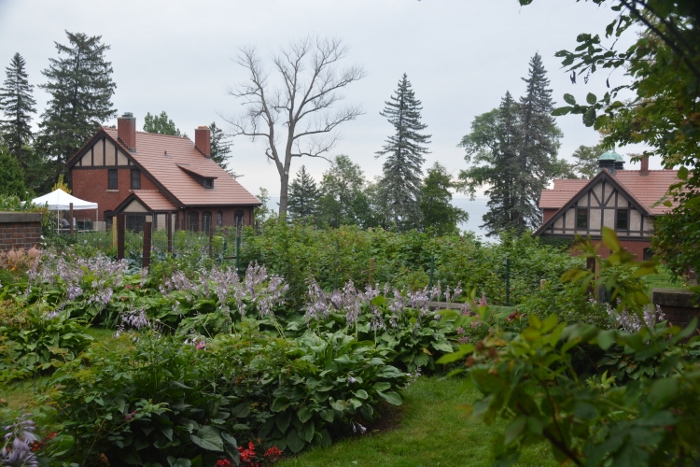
(154, 200)
(164, 157)
(646, 190)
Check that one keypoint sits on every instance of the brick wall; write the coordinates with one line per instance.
(679, 306)
(91, 184)
(19, 230)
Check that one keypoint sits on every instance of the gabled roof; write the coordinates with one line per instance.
(154, 200)
(645, 190)
(642, 191)
(170, 160)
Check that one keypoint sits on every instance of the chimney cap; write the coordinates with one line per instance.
(128, 115)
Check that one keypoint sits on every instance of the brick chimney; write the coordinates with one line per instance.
(644, 170)
(202, 140)
(126, 130)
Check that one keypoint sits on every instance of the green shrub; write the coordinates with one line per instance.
(143, 400)
(35, 341)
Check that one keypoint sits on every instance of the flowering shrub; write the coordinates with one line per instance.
(21, 440)
(399, 320)
(82, 286)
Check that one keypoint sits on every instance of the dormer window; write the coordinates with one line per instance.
(208, 183)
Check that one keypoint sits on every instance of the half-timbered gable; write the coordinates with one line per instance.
(626, 201)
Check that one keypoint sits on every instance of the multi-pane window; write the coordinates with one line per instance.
(622, 221)
(135, 179)
(112, 180)
(193, 221)
(219, 219)
(206, 222)
(581, 218)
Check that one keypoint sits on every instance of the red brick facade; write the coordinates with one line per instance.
(19, 230)
(92, 185)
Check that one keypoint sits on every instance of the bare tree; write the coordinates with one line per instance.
(296, 116)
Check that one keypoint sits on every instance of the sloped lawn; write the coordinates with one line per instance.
(428, 430)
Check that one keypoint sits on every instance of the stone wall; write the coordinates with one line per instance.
(679, 306)
(19, 230)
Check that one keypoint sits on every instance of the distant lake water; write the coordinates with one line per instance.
(476, 209)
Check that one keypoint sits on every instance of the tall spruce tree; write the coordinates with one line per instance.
(17, 104)
(401, 181)
(492, 147)
(303, 197)
(81, 88)
(538, 147)
(220, 147)
(517, 146)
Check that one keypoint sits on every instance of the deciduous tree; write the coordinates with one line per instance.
(401, 182)
(343, 200)
(439, 215)
(299, 116)
(160, 124)
(18, 105)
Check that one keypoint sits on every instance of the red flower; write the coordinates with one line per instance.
(223, 463)
(273, 453)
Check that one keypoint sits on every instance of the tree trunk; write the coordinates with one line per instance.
(284, 196)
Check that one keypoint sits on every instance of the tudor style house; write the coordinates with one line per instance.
(624, 200)
(149, 176)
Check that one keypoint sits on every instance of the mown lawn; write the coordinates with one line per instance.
(428, 430)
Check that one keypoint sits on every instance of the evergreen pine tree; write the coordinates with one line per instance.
(539, 145)
(81, 87)
(18, 105)
(220, 146)
(493, 145)
(439, 216)
(401, 182)
(303, 197)
(517, 144)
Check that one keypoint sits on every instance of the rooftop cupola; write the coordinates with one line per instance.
(611, 161)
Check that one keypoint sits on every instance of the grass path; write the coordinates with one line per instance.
(429, 430)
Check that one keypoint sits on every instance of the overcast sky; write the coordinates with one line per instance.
(461, 57)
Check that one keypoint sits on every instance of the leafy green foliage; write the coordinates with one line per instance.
(144, 401)
(637, 407)
(33, 342)
(664, 64)
(160, 124)
(343, 196)
(439, 216)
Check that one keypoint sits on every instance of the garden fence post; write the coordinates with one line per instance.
(432, 271)
(507, 281)
(211, 240)
(146, 262)
(170, 233)
(70, 217)
(120, 235)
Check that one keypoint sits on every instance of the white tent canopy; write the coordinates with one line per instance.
(59, 200)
